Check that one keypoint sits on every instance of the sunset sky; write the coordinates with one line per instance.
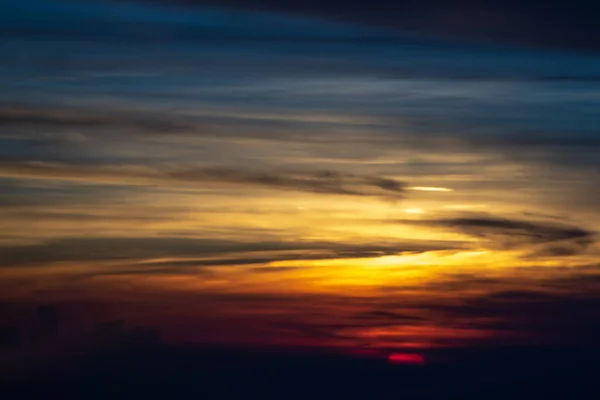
(261, 175)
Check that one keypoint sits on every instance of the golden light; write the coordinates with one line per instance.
(430, 189)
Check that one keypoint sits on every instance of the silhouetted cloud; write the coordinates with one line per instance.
(537, 315)
(541, 305)
(189, 252)
(381, 315)
(544, 238)
(528, 231)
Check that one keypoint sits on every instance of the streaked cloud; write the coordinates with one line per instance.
(543, 237)
(324, 182)
(178, 252)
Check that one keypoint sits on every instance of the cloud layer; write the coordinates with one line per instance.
(324, 182)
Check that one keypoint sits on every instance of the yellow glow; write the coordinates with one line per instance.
(330, 249)
(430, 189)
(414, 211)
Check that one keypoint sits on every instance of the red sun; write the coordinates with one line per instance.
(406, 359)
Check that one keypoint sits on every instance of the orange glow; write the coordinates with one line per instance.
(406, 359)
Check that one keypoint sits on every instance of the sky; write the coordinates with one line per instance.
(260, 175)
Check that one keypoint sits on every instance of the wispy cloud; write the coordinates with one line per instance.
(175, 252)
(322, 182)
(544, 238)
(64, 117)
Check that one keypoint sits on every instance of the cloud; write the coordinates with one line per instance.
(527, 231)
(543, 305)
(531, 315)
(514, 21)
(521, 22)
(103, 20)
(326, 182)
(25, 115)
(543, 238)
(190, 252)
(268, 270)
(379, 316)
(322, 182)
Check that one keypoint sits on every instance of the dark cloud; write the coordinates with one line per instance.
(442, 133)
(555, 24)
(535, 139)
(520, 296)
(326, 182)
(50, 124)
(511, 139)
(515, 282)
(177, 266)
(323, 182)
(390, 316)
(347, 326)
(533, 232)
(25, 115)
(235, 253)
(268, 270)
(543, 238)
(545, 317)
(26, 213)
(145, 271)
(110, 21)
(314, 330)
(544, 305)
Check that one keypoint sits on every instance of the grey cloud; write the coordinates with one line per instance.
(323, 182)
(320, 251)
(25, 115)
(543, 238)
(533, 232)
(10, 212)
(107, 249)
(506, 135)
(130, 121)
(326, 182)
(46, 124)
(441, 131)
(143, 270)
(204, 252)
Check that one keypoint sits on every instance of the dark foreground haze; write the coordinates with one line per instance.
(118, 362)
(238, 373)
